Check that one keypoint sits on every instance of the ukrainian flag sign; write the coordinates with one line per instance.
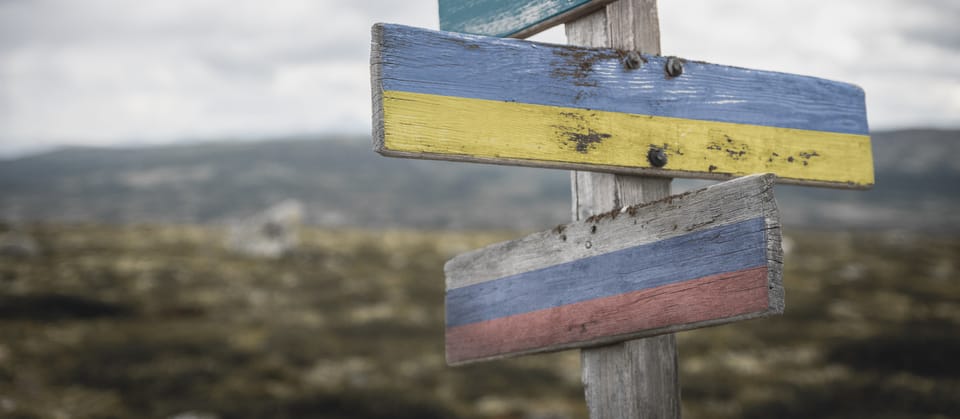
(450, 96)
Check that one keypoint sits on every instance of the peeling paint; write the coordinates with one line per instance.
(579, 132)
(721, 141)
(585, 141)
(576, 64)
(735, 154)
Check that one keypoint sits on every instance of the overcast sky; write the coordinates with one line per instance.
(120, 72)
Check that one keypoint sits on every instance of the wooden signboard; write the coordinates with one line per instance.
(702, 258)
(513, 18)
(448, 96)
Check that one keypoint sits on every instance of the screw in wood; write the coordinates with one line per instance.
(674, 67)
(633, 60)
(657, 157)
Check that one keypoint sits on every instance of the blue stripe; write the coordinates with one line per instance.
(729, 248)
(462, 15)
(450, 64)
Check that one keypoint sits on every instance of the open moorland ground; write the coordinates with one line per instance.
(163, 321)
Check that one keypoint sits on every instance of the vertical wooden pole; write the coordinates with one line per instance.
(638, 378)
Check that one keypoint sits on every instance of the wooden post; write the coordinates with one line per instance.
(638, 378)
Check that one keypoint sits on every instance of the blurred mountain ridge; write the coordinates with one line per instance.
(341, 182)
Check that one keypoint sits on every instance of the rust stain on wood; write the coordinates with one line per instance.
(559, 230)
(633, 210)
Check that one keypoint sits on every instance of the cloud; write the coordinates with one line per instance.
(120, 72)
(110, 71)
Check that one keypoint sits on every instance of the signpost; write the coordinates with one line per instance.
(635, 263)
(703, 258)
(461, 97)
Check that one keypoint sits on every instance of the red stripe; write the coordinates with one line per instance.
(708, 298)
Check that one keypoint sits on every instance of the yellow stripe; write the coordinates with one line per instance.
(417, 123)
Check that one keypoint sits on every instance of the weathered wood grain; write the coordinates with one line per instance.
(511, 18)
(638, 378)
(376, 75)
(633, 379)
(459, 97)
(697, 259)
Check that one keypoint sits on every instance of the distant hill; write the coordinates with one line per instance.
(917, 188)
(341, 182)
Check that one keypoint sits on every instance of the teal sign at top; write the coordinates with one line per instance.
(511, 18)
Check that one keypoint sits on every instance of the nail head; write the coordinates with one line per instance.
(657, 157)
(673, 67)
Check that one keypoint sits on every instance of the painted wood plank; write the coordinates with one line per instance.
(707, 257)
(424, 61)
(511, 18)
(448, 96)
(702, 254)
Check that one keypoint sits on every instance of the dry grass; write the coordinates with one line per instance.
(156, 321)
